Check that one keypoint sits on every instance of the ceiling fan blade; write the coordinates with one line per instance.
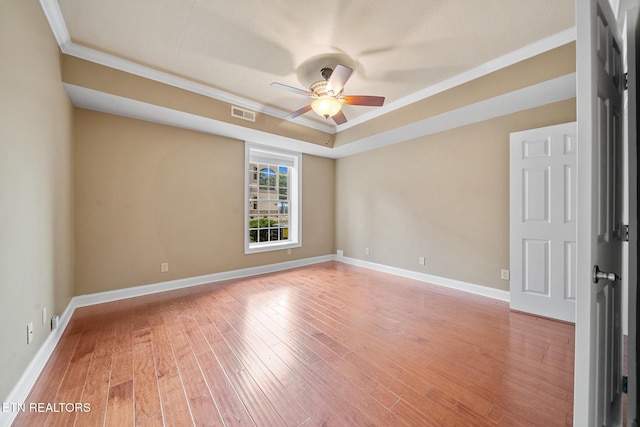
(291, 89)
(370, 101)
(339, 118)
(299, 112)
(338, 78)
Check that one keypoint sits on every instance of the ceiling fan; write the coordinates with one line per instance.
(327, 94)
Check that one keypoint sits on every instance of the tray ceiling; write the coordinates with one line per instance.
(397, 49)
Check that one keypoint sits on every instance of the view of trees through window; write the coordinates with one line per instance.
(269, 203)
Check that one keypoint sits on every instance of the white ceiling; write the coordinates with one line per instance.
(397, 48)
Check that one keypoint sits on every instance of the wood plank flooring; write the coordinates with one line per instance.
(324, 345)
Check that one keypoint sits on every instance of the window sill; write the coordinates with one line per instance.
(268, 247)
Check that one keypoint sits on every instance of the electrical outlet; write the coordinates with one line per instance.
(289, 251)
(421, 260)
(164, 267)
(366, 251)
(44, 316)
(29, 332)
(504, 274)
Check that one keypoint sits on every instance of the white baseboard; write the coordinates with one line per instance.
(428, 278)
(21, 390)
(136, 291)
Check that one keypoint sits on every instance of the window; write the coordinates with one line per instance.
(272, 208)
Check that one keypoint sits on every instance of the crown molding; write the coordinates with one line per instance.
(53, 14)
(555, 90)
(56, 21)
(511, 58)
(68, 47)
(130, 67)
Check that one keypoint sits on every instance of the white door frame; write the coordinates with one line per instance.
(633, 46)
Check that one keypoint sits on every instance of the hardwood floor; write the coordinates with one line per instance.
(324, 345)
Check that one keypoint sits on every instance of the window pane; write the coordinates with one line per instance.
(253, 222)
(271, 186)
(253, 174)
(283, 181)
(267, 176)
(273, 194)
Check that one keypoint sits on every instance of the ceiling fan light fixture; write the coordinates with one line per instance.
(326, 106)
(327, 95)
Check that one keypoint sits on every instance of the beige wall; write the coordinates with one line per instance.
(36, 250)
(444, 197)
(147, 194)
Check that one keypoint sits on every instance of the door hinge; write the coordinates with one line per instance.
(625, 384)
(625, 233)
(626, 81)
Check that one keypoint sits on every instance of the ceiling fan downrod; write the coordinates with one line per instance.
(326, 73)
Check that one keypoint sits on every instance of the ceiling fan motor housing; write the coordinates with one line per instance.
(319, 88)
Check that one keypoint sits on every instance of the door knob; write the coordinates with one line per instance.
(601, 275)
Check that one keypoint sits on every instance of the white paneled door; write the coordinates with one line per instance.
(543, 227)
(601, 82)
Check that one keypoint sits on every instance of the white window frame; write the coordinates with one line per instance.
(294, 161)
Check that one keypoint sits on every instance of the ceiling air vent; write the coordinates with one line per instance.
(243, 114)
